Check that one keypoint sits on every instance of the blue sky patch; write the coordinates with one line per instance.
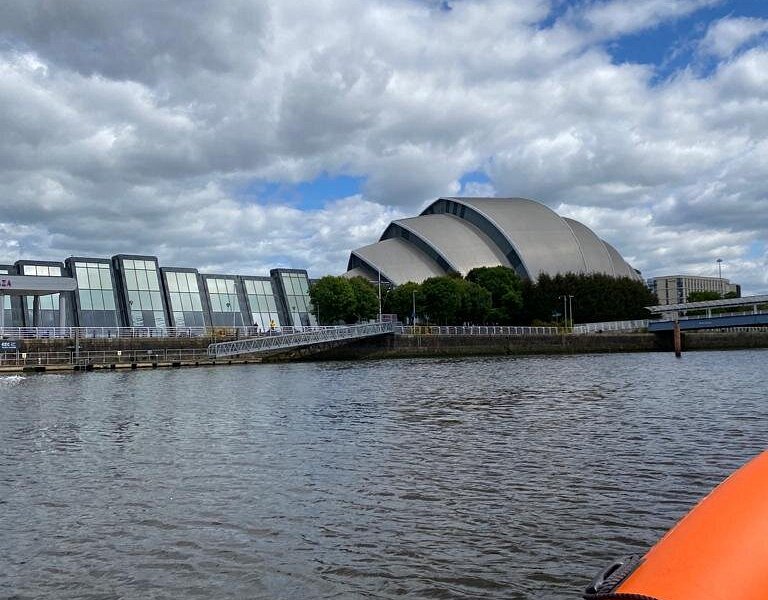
(307, 195)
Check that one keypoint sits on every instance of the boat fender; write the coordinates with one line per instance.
(604, 584)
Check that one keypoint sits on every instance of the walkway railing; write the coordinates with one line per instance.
(286, 340)
(95, 357)
(627, 326)
(30, 333)
(500, 330)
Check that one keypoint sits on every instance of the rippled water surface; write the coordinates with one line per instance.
(467, 478)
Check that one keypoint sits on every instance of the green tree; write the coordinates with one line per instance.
(441, 299)
(401, 300)
(474, 303)
(366, 300)
(506, 292)
(333, 298)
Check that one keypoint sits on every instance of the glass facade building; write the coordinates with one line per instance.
(96, 300)
(142, 294)
(226, 300)
(134, 291)
(293, 286)
(262, 302)
(185, 302)
(49, 305)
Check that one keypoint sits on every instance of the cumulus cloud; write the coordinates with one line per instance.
(135, 126)
(726, 36)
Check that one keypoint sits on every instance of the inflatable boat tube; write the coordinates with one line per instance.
(718, 551)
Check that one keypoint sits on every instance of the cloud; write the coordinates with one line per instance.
(134, 126)
(726, 36)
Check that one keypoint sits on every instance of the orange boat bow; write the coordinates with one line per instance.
(718, 551)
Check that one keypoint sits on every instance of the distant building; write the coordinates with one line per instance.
(675, 289)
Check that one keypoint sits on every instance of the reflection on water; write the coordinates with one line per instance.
(473, 478)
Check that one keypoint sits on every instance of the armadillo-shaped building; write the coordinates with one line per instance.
(455, 235)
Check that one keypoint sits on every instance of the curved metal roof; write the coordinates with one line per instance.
(620, 266)
(461, 244)
(459, 234)
(543, 241)
(596, 255)
(398, 261)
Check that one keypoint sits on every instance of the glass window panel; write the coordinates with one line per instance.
(128, 264)
(94, 282)
(159, 319)
(143, 282)
(106, 279)
(109, 300)
(186, 302)
(98, 300)
(215, 304)
(154, 281)
(157, 300)
(175, 300)
(178, 317)
(85, 300)
(82, 277)
(197, 304)
(145, 300)
(130, 280)
(172, 281)
(192, 282)
(149, 265)
(183, 285)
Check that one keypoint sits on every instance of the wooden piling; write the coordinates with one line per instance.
(678, 340)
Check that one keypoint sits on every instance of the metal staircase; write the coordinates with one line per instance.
(288, 341)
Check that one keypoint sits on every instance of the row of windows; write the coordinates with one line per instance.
(145, 300)
(221, 286)
(181, 282)
(188, 319)
(186, 301)
(93, 278)
(147, 318)
(142, 265)
(42, 270)
(96, 300)
(142, 280)
(224, 303)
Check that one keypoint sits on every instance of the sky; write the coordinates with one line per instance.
(245, 135)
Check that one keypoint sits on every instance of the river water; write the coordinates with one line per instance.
(463, 478)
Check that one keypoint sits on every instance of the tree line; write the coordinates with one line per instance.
(486, 296)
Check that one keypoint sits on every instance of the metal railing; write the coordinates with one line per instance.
(31, 333)
(626, 326)
(501, 330)
(285, 340)
(99, 357)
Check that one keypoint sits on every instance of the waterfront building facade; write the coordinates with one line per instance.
(96, 300)
(675, 289)
(129, 290)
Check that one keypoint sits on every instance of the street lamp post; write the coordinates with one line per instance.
(379, 272)
(570, 309)
(720, 275)
(413, 314)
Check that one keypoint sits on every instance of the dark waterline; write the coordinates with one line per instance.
(466, 478)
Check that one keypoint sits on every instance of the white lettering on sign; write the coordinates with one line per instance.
(5, 283)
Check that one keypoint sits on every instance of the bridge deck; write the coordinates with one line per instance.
(288, 341)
